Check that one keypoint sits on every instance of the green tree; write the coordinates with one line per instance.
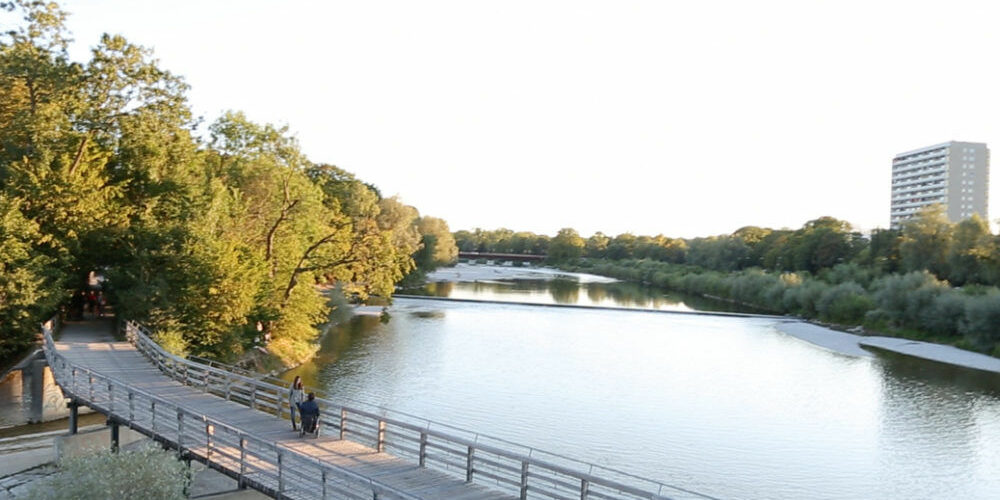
(972, 247)
(566, 245)
(925, 241)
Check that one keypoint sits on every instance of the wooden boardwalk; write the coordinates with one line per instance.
(122, 361)
(237, 423)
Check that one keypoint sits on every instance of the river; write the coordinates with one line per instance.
(726, 406)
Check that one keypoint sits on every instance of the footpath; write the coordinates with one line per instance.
(29, 457)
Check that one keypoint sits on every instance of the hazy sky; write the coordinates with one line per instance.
(682, 118)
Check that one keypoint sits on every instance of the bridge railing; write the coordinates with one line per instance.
(519, 470)
(259, 463)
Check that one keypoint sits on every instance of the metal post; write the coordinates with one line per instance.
(253, 397)
(131, 407)
(114, 435)
(208, 442)
(243, 462)
(343, 423)
(73, 416)
(152, 413)
(468, 464)
(111, 398)
(180, 433)
(380, 447)
(584, 487)
(423, 449)
(524, 480)
(322, 475)
(281, 477)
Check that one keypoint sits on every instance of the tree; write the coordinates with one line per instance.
(566, 245)
(925, 241)
(971, 249)
(438, 245)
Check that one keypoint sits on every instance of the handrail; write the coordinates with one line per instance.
(523, 470)
(69, 374)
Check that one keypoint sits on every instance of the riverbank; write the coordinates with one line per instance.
(862, 346)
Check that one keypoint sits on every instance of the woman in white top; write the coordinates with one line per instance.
(295, 396)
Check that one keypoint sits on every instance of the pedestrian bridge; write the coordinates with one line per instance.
(237, 423)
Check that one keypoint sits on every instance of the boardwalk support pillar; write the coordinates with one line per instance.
(74, 416)
(114, 435)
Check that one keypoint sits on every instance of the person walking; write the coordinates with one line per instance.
(295, 397)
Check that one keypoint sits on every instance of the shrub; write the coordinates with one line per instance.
(802, 299)
(844, 303)
(148, 473)
(904, 298)
(981, 327)
(945, 315)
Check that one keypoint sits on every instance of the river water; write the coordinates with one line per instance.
(726, 406)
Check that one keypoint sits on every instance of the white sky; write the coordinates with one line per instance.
(682, 118)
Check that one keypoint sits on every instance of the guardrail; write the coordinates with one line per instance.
(519, 470)
(255, 462)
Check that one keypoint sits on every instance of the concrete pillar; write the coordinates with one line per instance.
(37, 391)
(74, 410)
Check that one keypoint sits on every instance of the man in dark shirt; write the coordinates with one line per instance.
(310, 413)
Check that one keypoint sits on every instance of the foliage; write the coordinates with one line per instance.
(219, 246)
(148, 472)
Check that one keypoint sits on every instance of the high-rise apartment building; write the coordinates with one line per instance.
(954, 174)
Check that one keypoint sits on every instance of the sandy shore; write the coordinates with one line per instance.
(854, 345)
(481, 272)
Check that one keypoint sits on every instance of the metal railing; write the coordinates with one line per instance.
(261, 464)
(519, 470)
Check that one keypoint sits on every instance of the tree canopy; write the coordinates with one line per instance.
(219, 242)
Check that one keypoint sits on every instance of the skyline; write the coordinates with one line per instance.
(642, 117)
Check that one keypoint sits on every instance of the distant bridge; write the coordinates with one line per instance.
(513, 257)
(237, 423)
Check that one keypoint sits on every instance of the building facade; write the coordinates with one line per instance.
(953, 174)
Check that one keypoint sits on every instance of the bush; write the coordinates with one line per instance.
(945, 315)
(904, 298)
(148, 473)
(802, 299)
(844, 303)
(981, 327)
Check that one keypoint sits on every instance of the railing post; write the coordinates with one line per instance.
(524, 480)
(228, 385)
(90, 383)
(180, 432)
(243, 462)
(380, 446)
(253, 396)
(584, 487)
(131, 407)
(208, 442)
(281, 477)
(73, 379)
(468, 464)
(152, 413)
(423, 449)
(322, 475)
(343, 422)
(111, 398)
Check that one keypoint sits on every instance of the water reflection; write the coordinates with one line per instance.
(566, 290)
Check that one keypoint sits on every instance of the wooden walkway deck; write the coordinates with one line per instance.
(122, 361)
(236, 422)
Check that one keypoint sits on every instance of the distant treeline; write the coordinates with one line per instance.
(897, 282)
(216, 242)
